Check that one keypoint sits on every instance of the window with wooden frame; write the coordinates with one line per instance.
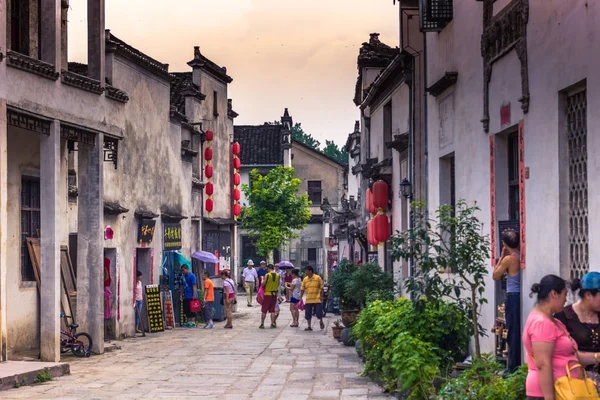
(30, 222)
(314, 192)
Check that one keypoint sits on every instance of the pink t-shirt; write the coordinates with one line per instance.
(540, 328)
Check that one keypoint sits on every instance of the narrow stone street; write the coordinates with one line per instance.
(242, 363)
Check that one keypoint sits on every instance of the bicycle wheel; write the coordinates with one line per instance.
(82, 345)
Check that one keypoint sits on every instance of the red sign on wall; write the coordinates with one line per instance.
(505, 115)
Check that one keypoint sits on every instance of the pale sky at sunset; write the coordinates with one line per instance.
(280, 53)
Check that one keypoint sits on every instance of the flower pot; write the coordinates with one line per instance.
(346, 337)
(349, 317)
(337, 331)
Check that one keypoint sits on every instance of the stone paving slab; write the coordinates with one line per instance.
(229, 364)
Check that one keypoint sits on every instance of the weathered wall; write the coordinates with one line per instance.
(222, 128)
(310, 166)
(559, 34)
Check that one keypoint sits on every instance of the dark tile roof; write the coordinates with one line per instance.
(182, 86)
(373, 53)
(206, 64)
(259, 145)
(134, 55)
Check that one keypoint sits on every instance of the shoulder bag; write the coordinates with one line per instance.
(569, 388)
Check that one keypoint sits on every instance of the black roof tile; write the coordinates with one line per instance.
(259, 145)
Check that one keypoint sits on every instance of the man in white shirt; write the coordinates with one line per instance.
(249, 280)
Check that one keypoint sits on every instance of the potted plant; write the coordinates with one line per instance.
(337, 329)
(340, 280)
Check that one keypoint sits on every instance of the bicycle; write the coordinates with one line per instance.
(73, 341)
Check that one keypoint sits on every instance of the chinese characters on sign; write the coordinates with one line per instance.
(172, 236)
(146, 231)
(169, 312)
(153, 304)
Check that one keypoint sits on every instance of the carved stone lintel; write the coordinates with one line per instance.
(26, 121)
(502, 33)
(77, 134)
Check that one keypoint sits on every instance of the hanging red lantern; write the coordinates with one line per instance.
(237, 163)
(236, 194)
(208, 153)
(210, 136)
(381, 228)
(208, 171)
(235, 148)
(370, 207)
(237, 209)
(209, 205)
(380, 195)
(209, 188)
(236, 179)
(370, 238)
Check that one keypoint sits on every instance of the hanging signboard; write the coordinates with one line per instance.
(169, 311)
(146, 231)
(172, 236)
(154, 307)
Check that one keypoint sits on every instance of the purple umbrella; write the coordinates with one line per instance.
(286, 265)
(205, 256)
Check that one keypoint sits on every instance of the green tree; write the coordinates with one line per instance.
(450, 255)
(339, 154)
(275, 210)
(299, 135)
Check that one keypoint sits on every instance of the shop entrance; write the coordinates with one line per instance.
(143, 264)
(110, 294)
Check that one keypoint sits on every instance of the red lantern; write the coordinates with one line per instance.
(210, 135)
(237, 209)
(380, 194)
(208, 171)
(236, 179)
(381, 228)
(209, 205)
(370, 207)
(208, 153)
(235, 148)
(210, 188)
(236, 194)
(370, 238)
(237, 163)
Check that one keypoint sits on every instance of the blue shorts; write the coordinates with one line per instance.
(294, 300)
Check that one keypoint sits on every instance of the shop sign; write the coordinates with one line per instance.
(172, 236)
(146, 231)
(154, 307)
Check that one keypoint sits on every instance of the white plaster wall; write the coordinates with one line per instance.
(453, 49)
(222, 127)
(245, 180)
(376, 147)
(22, 297)
(562, 51)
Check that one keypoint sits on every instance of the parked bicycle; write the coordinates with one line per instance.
(79, 344)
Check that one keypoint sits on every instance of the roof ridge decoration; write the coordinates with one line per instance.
(182, 85)
(81, 81)
(200, 61)
(114, 44)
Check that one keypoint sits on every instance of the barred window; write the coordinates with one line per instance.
(30, 222)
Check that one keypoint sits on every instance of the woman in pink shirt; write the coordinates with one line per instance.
(548, 345)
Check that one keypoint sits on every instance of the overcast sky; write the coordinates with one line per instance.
(280, 53)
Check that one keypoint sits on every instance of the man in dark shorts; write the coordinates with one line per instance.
(189, 293)
(312, 284)
(271, 288)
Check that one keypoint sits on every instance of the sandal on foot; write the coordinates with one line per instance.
(261, 326)
(308, 329)
(322, 325)
(273, 326)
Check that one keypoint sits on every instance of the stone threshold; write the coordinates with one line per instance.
(14, 374)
